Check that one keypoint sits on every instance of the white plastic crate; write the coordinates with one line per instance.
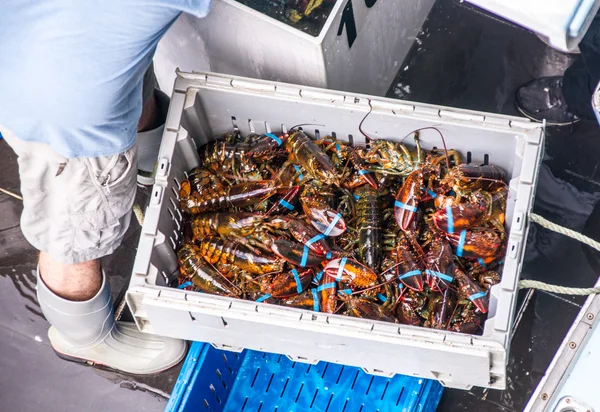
(206, 105)
(360, 48)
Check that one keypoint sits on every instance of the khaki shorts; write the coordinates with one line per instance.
(74, 209)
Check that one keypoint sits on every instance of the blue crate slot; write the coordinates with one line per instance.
(220, 381)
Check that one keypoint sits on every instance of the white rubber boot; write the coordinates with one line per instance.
(86, 332)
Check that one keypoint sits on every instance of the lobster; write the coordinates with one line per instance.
(222, 154)
(238, 195)
(303, 151)
(369, 227)
(203, 277)
(216, 250)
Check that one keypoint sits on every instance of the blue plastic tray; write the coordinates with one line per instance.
(216, 380)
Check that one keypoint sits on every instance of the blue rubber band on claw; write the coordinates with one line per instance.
(277, 139)
(315, 301)
(307, 248)
(315, 239)
(332, 224)
(304, 259)
(410, 274)
(357, 197)
(461, 243)
(432, 193)
(300, 176)
(381, 297)
(450, 219)
(401, 205)
(319, 276)
(440, 275)
(185, 285)
(286, 204)
(481, 262)
(263, 298)
(297, 279)
(330, 285)
(345, 291)
(363, 172)
(477, 295)
(329, 255)
(340, 271)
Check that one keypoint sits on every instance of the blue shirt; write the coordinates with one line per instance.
(71, 71)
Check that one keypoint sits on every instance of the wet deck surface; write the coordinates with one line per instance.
(463, 59)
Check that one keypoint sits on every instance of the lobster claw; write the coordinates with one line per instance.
(357, 275)
(364, 174)
(292, 283)
(457, 218)
(325, 219)
(476, 243)
(296, 253)
(470, 290)
(412, 279)
(308, 236)
(285, 204)
(407, 200)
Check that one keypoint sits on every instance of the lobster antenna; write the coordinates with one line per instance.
(441, 135)
(367, 137)
(306, 124)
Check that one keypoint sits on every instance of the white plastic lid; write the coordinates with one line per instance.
(563, 22)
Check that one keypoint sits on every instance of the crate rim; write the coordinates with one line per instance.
(185, 80)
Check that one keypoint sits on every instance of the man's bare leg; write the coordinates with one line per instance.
(78, 282)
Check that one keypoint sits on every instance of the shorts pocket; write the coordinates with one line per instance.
(111, 171)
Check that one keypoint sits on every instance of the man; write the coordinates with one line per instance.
(564, 100)
(70, 99)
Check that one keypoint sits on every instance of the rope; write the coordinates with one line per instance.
(535, 284)
(564, 231)
(563, 290)
(139, 215)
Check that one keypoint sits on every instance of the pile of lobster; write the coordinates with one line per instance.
(377, 231)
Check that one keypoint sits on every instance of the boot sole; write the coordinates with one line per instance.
(101, 366)
(548, 122)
